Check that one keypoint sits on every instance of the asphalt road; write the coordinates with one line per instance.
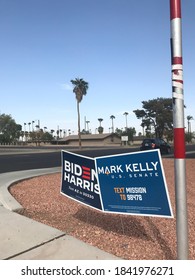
(15, 159)
(25, 159)
(17, 162)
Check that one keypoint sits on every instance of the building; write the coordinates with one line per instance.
(107, 139)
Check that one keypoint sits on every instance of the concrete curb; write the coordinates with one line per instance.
(9, 178)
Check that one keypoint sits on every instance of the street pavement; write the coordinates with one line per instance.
(25, 239)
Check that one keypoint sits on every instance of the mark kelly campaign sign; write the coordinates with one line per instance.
(79, 179)
(134, 183)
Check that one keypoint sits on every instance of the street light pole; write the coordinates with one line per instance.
(179, 130)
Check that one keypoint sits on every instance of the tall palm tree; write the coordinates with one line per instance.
(100, 128)
(112, 117)
(24, 131)
(33, 125)
(189, 118)
(29, 125)
(100, 121)
(80, 89)
(126, 114)
(87, 122)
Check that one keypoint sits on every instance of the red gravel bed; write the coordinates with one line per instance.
(126, 236)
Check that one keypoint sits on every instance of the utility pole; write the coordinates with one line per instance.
(179, 130)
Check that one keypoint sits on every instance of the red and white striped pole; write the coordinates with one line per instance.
(179, 130)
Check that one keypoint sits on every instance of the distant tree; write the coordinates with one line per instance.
(112, 117)
(17, 132)
(100, 121)
(33, 136)
(29, 124)
(87, 122)
(10, 131)
(46, 137)
(58, 133)
(100, 128)
(189, 118)
(126, 114)
(26, 135)
(84, 132)
(189, 134)
(118, 131)
(130, 132)
(52, 131)
(22, 134)
(80, 89)
(157, 113)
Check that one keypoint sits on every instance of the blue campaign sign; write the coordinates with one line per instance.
(79, 179)
(134, 183)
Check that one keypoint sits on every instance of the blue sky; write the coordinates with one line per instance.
(120, 47)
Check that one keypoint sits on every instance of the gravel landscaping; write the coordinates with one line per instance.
(126, 236)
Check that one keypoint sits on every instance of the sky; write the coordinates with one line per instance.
(120, 47)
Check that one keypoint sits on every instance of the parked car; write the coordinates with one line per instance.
(155, 143)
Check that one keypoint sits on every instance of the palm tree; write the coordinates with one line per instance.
(126, 114)
(100, 128)
(22, 134)
(112, 118)
(29, 125)
(100, 121)
(33, 125)
(87, 122)
(24, 131)
(80, 89)
(189, 118)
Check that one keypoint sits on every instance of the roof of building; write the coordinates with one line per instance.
(91, 136)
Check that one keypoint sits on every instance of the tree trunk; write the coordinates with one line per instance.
(79, 128)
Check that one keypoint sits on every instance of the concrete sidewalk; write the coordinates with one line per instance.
(25, 239)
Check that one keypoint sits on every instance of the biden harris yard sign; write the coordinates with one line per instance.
(134, 183)
(79, 179)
